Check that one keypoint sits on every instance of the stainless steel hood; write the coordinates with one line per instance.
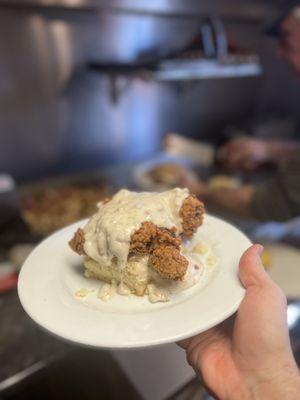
(61, 113)
(251, 10)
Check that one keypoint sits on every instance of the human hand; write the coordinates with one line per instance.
(290, 40)
(245, 153)
(249, 356)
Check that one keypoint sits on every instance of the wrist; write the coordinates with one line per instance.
(284, 384)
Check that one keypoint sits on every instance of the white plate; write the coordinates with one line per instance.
(53, 273)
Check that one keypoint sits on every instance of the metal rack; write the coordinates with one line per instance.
(212, 59)
(231, 67)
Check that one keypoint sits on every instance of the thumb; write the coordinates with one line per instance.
(251, 270)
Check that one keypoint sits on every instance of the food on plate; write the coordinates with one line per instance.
(82, 292)
(224, 182)
(143, 243)
(50, 208)
(171, 175)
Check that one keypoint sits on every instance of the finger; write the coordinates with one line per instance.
(239, 159)
(202, 340)
(250, 165)
(251, 270)
(183, 343)
(232, 149)
(237, 144)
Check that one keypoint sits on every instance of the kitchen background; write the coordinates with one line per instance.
(58, 114)
(95, 85)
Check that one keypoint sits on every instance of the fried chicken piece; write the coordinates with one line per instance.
(166, 237)
(77, 242)
(145, 239)
(191, 212)
(161, 244)
(142, 239)
(168, 262)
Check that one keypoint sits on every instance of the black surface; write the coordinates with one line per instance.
(83, 374)
(13, 229)
(22, 342)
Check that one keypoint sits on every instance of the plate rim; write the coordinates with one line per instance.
(155, 342)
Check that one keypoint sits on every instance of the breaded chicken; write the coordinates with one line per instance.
(142, 239)
(167, 237)
(145, 239)
(161, 244)
(77, 242)
(191, 212)
(163, 247)
(168, 262)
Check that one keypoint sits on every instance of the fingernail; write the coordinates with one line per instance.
(259, 248)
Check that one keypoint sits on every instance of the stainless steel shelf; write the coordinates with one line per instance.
(184, 70)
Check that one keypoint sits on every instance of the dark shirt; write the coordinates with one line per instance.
(279, 199)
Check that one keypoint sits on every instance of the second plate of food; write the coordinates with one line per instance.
(59, 290)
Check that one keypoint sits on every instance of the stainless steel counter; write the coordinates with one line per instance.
(25, 349)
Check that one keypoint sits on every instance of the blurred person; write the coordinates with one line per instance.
(249, 356)
(289, 46)
(279, 198)
(248, 153)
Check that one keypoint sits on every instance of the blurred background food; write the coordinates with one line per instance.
(48, 207)
(163, 175)
(97, 95)
(169, 175)
(224, 182)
